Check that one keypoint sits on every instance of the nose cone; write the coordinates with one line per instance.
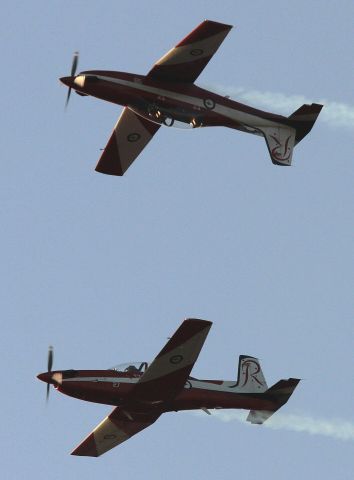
(68, 81)
(45, 377)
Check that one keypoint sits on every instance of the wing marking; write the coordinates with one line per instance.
(130, 136)
(169, 371)
(163, 379)
(186, 61)
(115, 429)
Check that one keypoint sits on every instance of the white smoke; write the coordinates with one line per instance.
(335, 114)
(335, 428)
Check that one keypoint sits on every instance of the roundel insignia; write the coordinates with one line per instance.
(109, 436)
(176, 359)
(168, 121)
(209, 103)
(133, 137)
(196, 52)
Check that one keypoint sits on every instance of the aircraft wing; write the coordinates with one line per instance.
(186, 61)
(130, 135)
(169, 371)
(113, 430)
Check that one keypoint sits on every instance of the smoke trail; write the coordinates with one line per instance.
(335, 114)
(335, 428)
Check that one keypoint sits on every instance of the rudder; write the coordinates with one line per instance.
(280, 142)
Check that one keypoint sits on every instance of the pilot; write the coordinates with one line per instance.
(132, 369)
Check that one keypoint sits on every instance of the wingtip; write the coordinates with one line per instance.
(317, 107)
(199, 321)
(112, 172)
(87, 448)
(218, 23)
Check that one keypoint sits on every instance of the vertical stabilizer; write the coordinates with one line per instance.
(250, 376)
(280, 142)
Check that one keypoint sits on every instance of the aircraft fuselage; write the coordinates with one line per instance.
(115, 388)
(168, 103)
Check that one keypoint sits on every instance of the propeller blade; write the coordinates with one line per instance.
(74, 64)
(48, 388)
(73, 72)
(68, 97)
(50, 358)
(50, 364)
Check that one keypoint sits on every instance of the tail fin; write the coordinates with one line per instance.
(303, 119)
(250, 376)
(279, 394)
(281, 140)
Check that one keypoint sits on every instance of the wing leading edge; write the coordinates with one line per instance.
(162, 381)
(186, 61)
(170, 370)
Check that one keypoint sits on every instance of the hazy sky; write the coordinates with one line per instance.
(202, 225)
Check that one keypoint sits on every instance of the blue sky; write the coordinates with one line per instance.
(202, 225)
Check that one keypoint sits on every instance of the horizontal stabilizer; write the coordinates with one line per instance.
(279, 394)
(258, 417)
(282, 390)
(303, 119)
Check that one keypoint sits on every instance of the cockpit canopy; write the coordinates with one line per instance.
(131, 367)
